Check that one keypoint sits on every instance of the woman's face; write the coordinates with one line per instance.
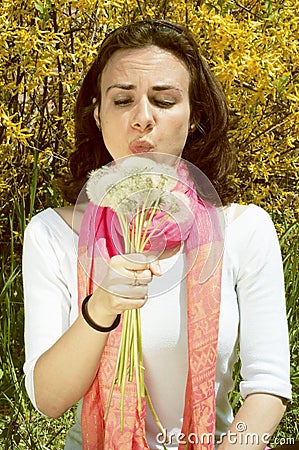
(144, 103)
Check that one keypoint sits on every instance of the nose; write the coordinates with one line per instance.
(142, 116)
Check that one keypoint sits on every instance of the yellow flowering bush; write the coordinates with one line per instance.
(47, 46)
(45, 49)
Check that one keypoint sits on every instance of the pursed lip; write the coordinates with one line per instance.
(140, 146)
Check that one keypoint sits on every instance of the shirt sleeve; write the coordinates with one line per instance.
(264, 344)
(46, 295)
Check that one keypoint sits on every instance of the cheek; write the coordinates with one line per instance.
(179, 130)
(181, 122)
(114, 138)
(109, 126)
(108, 138)
(111, 122)
(175, 139)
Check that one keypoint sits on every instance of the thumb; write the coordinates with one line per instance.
(155, 268)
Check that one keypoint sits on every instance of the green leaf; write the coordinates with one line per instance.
(39, 7)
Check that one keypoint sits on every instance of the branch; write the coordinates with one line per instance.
(245, 85)
(139, 7)
(269, 129)
(248, 10)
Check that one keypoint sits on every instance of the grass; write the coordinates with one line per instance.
(21, 427)
(290, 249)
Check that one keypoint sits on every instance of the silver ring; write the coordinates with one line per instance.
(135, 281)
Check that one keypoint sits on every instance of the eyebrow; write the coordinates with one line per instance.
(126, 87)
(129, 87)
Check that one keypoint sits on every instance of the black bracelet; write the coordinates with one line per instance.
(92, 324)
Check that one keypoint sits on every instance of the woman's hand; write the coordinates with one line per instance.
(124, 287)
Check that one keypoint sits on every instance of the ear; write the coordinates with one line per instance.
(96, 117)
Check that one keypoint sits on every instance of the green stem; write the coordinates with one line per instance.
(114, 378)
(123, 372)
(131, 347)
(130, 358)
(121, 348)
(154, 414)
(139, 343)
(149, 221)
(125, 230)
(145, 241)
(142, 218)
(136, 362)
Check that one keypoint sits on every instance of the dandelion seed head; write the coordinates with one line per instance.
(111, 185)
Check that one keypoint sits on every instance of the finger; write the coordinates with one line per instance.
(155, 268)
(128, 291)
(124, 264)
(138, 277)
(128, 277)
(153, 263)
(131, 261)
(123, 304)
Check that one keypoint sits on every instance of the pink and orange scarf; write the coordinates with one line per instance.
(204, 245)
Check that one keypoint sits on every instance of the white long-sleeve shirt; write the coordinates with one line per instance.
(252, 314)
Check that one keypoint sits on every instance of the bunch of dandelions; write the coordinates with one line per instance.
(137, 189)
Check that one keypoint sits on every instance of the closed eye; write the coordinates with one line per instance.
(165, 103)
(123, 101)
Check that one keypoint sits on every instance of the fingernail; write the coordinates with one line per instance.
(158, 268)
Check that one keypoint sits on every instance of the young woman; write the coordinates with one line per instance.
(150, 91)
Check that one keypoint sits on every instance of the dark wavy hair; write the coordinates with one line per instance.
(207, 147)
